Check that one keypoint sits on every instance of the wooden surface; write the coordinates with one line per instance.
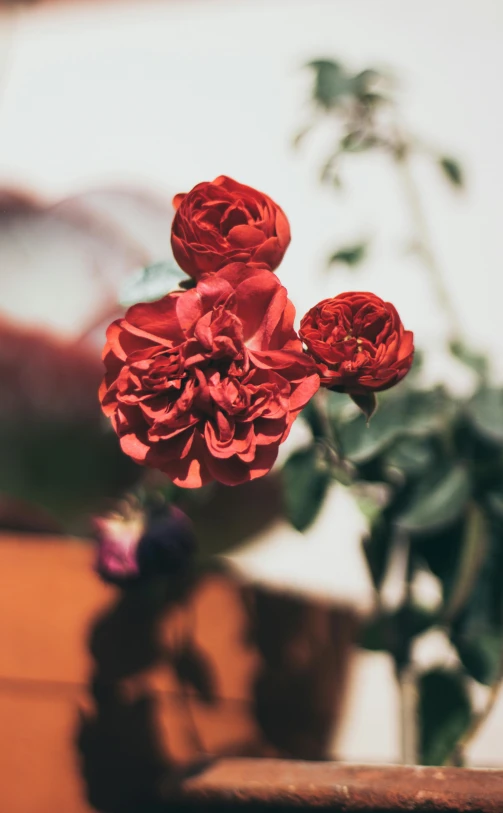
(238, 784)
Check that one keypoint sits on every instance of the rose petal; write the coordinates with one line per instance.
(245, 236)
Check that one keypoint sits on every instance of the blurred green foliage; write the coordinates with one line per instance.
(428, 468)
(362, 109)
(439, 463)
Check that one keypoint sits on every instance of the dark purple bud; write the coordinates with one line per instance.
(168, 543)
(133, 547)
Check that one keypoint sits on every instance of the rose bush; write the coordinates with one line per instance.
(358, 343)
(224, 221)
(205, 384)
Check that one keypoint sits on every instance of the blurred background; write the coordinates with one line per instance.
(106, 111)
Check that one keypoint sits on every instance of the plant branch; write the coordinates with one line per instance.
(479, 719)
(406, 675)
(406, 679)
(416, 209)
(341, 469)
(320, 403)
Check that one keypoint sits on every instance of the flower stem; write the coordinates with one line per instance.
(320, 403)
(325, 432)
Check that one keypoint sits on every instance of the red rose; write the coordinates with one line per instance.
(205, 384)
(223, 222)
(358, 343)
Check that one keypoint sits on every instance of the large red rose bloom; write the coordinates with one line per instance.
(205, 384)
(358, 343)
(224, 221)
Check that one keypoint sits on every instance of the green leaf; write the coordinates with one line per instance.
(364, 82)
(477, 632)
(337, 404)
(495, 503)
(406, 412)
(312, 417)
(331, 82)
(387, 631)
(414, 620)
(485, 411)
(151, 283)
(436, 505)
(371, 498)
(350, 255)
(441, 550)
(444, 714)
(374, 99)
(362, 442)
(377, 547)
(356, 141)
(305, 483)
(472, 552)
(377, 634)
(476, 361)
(452, 170)
(480, 654)
(412, 456)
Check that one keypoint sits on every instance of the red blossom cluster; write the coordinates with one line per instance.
(205, 383)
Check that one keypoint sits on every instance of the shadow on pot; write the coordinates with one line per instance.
(188, 672)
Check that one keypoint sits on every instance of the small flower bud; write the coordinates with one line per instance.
(136, 544)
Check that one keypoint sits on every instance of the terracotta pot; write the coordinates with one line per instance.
(108, 697)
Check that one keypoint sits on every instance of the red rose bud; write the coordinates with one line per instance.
(358, 343)
(137, 546)
(224, 221)
(205, 384)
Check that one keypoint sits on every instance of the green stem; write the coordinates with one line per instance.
(416, 209)
(478, 720)
(406, 676)
(406, 679)
(329, 431)
(326, 434)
